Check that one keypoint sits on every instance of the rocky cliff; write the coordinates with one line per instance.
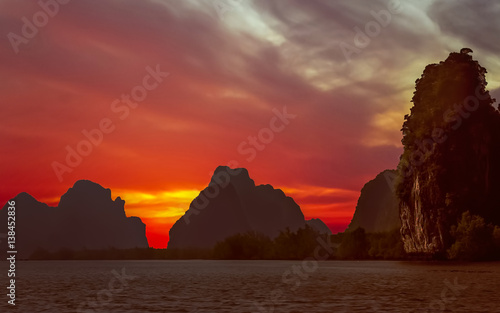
(377, 209)
(86, 217)
(232, 204)
(451, 145)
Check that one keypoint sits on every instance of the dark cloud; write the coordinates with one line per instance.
(474, 21)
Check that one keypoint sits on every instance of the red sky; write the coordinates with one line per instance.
(227, 73)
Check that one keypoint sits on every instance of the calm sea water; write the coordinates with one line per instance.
(253, 286)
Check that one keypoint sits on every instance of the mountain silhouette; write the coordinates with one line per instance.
(233, 204)
(86, 218)
(377, 209)
(319, 226)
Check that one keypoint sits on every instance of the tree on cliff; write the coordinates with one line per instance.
(449, 165)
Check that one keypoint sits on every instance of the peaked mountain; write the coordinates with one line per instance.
(86, 217)
(319, 226)
(232, 204)
(377, 209)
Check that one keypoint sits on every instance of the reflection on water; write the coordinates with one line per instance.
(254, 286)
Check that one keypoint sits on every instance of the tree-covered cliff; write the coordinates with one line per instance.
(450, 162)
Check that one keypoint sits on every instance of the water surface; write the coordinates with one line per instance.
(254, 286)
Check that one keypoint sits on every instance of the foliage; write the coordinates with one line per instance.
(295, 246)
(386, 246)
(355, 245)
(475, 240)
(287, 246)
(248, 246)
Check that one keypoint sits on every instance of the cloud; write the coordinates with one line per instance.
(226, 77)
(472, 21)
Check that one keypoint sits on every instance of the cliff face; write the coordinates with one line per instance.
(232, 204)
(451, 139)
(420, 227)
(86, 217)
(377, 209)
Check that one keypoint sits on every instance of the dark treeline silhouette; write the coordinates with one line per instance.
(288, 245)
(360, 245)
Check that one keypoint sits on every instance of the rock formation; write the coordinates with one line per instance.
(450, 163)
(232, 204)
(319, 226)
(377, 209)
(86, 218)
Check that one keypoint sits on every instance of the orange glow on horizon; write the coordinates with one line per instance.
(160, 210)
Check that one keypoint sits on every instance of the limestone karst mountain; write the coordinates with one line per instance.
(232, 204)
(86, 218)
(377, 209)
(451, 149)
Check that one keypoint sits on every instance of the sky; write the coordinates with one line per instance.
(309, 96)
